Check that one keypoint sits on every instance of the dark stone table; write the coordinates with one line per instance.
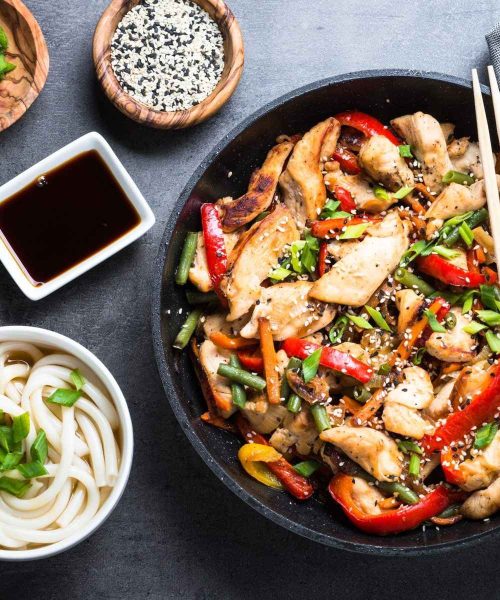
(178, 532)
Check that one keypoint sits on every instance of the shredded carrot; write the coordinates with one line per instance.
(351, 405)
(388, 503)
(270, 361)
(217, 421)
(451, 368)
(370, 408)
(230, 343)
(480, 255)
(420, 187)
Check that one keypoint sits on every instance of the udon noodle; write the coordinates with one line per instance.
(83, 455)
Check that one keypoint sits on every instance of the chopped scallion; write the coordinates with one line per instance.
(16, 487)
(493, 341)
(414, 466)
(353, 232)
(32, 469)
(466, 234)
(279, 274)
(320, 417)
(457, 177)
(377, 317)
(310, 365)
(445, 252)
(64, 397)
(405, 151)
(77, 379)
(381, 193)
(485, 435)
(337, 330)
(307, 467)
(20, 427)
(434, 324)
(402, 192)
(489, 317)
(359, 321)
(408, 446)
(474, 327)
(39, 448)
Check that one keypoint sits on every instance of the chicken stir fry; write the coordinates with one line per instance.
(345, 322)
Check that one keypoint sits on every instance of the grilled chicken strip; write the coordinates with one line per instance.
(302, 183)
(457, 199)
(426, 138)
(465, 157)
(376, 452)
(290, 311)
(359, 187)
(380, 158)
(480, 471)
(408, 304)
(484, 503)
(198, 273)
(355, 278)
(455, 345)
(255, 257)
(260, 192)
(264, 417)
(210, 358)
(297, 430)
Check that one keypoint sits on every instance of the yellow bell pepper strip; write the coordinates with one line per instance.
(253, 458)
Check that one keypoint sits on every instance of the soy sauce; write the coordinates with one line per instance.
(65, 216)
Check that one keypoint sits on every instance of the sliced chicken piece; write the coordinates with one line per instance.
(198, 273)
(457, 199)
(376, 452)
(290, 311)
(330, 142)
(359, 187)
(254, 259)
(210, 358)
(465, 157)
(484, 503)
(354, 279)
(425, 136)
(448, 130)
(455, 345)
(408, 304)
(302, 183)
(297, 430)
(405, 421)
(264, 417)
(380, 158)
(338, 249)
(366, 497)
(441, 405)
(217, 322)
(260, 192)
(480, 471)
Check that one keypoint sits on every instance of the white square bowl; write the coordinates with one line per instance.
(90, 141)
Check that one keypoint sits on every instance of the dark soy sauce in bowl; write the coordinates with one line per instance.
(66, 216)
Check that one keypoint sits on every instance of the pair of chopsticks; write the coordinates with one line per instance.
(487, 160)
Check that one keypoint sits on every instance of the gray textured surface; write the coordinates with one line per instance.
(178, 532)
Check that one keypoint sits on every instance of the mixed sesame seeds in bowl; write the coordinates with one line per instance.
(168, 64)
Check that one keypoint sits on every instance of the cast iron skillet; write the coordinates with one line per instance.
(385, 94)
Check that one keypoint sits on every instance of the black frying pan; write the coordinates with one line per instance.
(385, 94)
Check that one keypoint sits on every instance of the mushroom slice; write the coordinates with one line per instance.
(302, 183)
(380, 158)
(426, 138)
(290, 311)
(373, 450)
(198, 273)
(455, 345)
(260, 192)
(355, 277)
(255, 257)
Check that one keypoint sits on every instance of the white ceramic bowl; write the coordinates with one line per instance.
(56, 341)
(90, 141)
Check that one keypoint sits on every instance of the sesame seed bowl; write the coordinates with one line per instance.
(168, 64)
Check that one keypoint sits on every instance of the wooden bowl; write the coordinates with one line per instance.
(28, 50)
(233, 56)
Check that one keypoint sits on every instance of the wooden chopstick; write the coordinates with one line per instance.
(490, 179)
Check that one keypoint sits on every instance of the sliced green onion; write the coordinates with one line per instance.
(16, 487)
(279, 274)
(294, 364)
(381, 193)
(307, 467)
(451, 297)
(485, 435)
(310, 365)
(295, 252)
(77, 379)
(489, 317)
(329, 209)
(64, 397)
(415, 250)
(493, 341)
(6, 439)
(195, 297)
(294, 403)
(490, 295)
(466, 234)
(474, 327)
(450, 320)
(419, 355)
(337, 330)
(405, 151)
(341, 214)
(187, 329)
(434, 324)
(411, 281)
(39, 448)
(241, 376)
(408, 446)
(308, 258)
(320, 417)
(450, 233)
(361, 394)
(353, 232)
(238, 394)
(377, 317)
(402, 192)
(11, 459)
(359, 321)
(4, 42)
(384, 369)
(187, 257)
(32, 469)
(468, 300)
(457, 177)
(20, 427)
(445, 252)
(414, 466)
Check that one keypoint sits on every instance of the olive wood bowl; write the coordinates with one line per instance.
(233, 57)
(28, 51)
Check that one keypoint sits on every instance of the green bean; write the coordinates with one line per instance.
(241, 376)
(320, 417)
(411, 281)
(238, 393)
(401, 491)
(361, 394)
(186, 259)
(194, 297)
(451, 511)
(457, 177)
(477, 217)
(187, 330)
(293, 364)
(307, 467)
(294, 403)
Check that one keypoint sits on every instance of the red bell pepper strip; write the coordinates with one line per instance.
(215, 246)
(347, 160)
(393, 521)
(482, 409)
(330, 357)
(295, 484)
(345, 198)
(329, 228)
(322, 255)
(366, 124)
(251, 362)
(439, 268)
(452, 474)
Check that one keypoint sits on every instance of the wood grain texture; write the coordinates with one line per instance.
(28, 51)
(233, 57)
